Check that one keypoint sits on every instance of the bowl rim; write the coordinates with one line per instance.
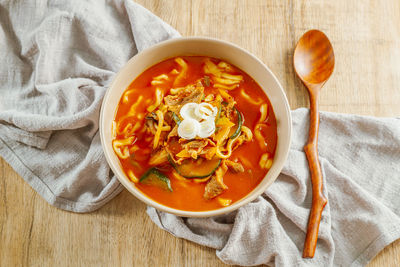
(209, 213)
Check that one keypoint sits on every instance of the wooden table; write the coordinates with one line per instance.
(366, 39)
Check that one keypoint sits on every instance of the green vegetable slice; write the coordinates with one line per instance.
(196, 168)
(156, 178)
(176, 118)
(239, 124)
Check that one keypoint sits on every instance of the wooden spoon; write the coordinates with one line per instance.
(314, 62)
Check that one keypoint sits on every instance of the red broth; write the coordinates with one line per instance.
(188, 195)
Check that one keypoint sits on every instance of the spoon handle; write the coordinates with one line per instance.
(318, 199)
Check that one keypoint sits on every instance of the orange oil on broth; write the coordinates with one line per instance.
(189, 195)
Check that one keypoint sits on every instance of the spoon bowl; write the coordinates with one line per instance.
(314, 59)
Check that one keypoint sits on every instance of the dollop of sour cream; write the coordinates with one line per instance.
(198, 120)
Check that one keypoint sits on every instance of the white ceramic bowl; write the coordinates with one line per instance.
(204, 47)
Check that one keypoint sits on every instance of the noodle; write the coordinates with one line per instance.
(126, 129)
(246, 162)
(161, 77)
(182, 180)
(259, 137)
(159, 97)
(201, 180)
(178, 176)
(264, 112)
(222, 79)
(229, 149)
(131, 111)
(225, 81)
(156, 82)
(174, 91)
(224, 201)
(183, 71)
(227, 87)
(136, 127)
(134, 149)
(160, 116)
(265, 161)
(237, 78)
(174, 72)
(247, 132)
(225, 95)
(132, 176)
(225, 66)
(211, 68)
(118, 143)
(125, 97)
(129, 129)
(249, 99)
(158, 79)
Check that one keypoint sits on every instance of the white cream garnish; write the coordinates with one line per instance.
(198, 120)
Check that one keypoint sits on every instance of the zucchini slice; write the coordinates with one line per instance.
(156, 178)
(239, 124)
(176, 118)
(197, 168)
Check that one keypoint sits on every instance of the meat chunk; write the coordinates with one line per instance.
(198, 147)
(173, 147)
(234, 166)
(196, 144)
(208, 152)
(216, 184)
(195, 147)
(189, 94)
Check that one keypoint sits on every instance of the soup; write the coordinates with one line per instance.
(195, 133)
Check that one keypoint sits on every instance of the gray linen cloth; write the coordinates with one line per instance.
(57, 60)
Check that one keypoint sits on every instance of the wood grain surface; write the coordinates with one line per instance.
(366, 39)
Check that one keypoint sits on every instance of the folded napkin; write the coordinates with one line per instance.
(58, 59)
